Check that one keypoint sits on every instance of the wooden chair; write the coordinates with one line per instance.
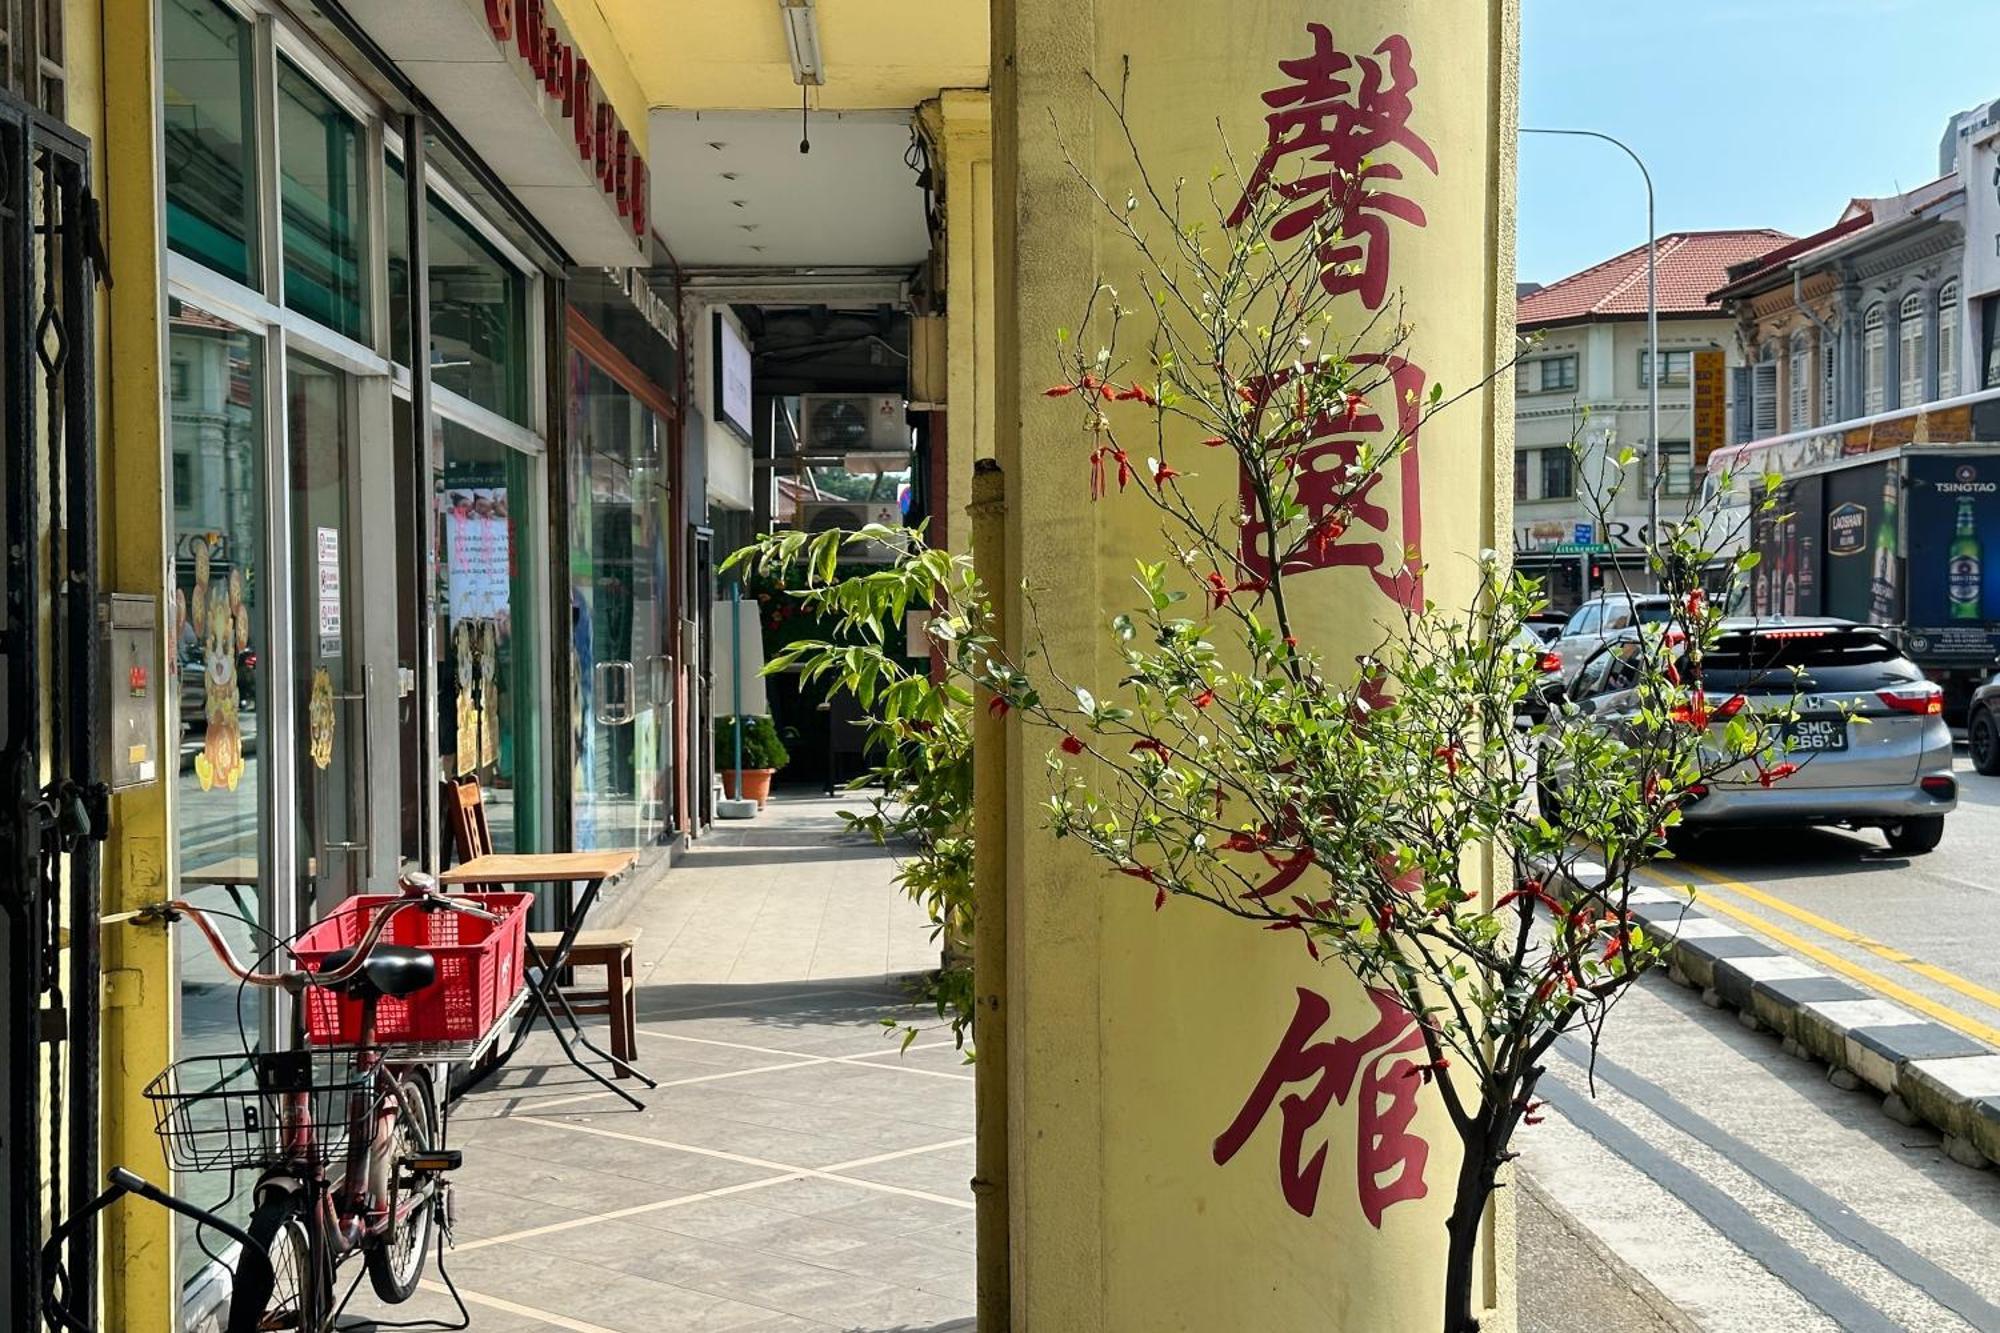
(610, 949)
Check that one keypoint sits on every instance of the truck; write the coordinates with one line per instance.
(1905, 538)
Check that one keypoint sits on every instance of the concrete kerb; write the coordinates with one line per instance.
(1926, 1072)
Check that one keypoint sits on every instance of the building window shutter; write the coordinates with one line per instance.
(1764, 400)
(1739, 405)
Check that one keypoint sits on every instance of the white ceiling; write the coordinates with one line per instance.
(850, 202)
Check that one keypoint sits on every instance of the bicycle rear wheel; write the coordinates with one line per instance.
(396, 1265)
(281, 1225)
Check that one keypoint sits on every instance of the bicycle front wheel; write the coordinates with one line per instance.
(395, 1265)
(281, 1225)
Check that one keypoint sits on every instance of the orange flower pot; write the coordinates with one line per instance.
(754, 785)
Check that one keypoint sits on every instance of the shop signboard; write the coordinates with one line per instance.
(732, 377)
(1953, 574)
(1711, 404)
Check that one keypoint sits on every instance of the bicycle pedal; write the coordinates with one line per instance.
(438, 1159)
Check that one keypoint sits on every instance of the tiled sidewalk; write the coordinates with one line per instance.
(792, 1171)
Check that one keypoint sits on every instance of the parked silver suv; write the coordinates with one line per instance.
(1604, 618)
(1869, 740)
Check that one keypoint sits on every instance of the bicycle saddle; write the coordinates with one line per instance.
(391, 969)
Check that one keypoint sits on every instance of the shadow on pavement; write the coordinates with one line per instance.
(1785, 853)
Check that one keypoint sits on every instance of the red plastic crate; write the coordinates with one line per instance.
(479, 970)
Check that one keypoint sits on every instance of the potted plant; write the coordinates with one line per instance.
(763, 754)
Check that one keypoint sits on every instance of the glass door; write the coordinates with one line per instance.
(331, 684)
(617, 594)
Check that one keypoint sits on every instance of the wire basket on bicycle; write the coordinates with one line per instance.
(237, 1111)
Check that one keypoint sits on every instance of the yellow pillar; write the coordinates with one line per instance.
(139, 1290)
(1135, 1036)
(959, 125)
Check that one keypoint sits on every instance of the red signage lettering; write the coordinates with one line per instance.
(577, 109)
(602, 141)
(1345, 130)
(606, 141)
(1388, 1159)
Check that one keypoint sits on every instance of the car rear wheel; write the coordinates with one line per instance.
(1982, 739)
(1914, 837)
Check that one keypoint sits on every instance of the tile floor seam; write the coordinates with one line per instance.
(743, 1159)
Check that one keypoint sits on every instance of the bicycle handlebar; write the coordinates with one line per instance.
(253, 1270)
(418, 891)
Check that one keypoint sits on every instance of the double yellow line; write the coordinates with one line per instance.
(1708, 879)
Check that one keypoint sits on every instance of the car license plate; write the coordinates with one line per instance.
(1816, 734)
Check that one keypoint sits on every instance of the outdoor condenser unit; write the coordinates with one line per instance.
(841, 423)
(822, 515)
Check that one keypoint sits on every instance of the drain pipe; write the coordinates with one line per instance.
(989, 930)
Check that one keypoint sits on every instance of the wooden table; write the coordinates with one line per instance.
(235, 874)
(590, 869)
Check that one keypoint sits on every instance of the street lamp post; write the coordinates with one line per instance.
(1652, 336)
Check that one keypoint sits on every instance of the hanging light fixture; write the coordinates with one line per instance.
(802, 41)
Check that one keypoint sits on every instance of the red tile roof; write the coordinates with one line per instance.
(1691, 265)
(1757, 276)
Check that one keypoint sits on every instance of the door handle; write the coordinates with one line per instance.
(361, 696)
(613, 709)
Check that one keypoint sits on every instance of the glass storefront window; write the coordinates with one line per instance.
(489, 668)
(617, 614)
(479, 317)
(218, 637)
(325, 203)
(207, 102)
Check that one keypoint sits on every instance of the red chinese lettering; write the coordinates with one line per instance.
(578, 109)
(639, 198)
(622, 177)
(500, 19)
(1341, 510)
(1344, 112)
(1389, 1159)
(607, 139)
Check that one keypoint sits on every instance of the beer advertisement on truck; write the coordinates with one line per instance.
(1953, 573)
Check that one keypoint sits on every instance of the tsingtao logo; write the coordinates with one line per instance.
(1965, 481)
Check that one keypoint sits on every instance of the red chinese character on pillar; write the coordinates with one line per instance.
(1339, 515)
(1344, 111)
(1389, 1160)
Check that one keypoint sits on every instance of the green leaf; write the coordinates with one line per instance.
(1748, 561)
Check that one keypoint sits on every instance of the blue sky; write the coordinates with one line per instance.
(1749, 113)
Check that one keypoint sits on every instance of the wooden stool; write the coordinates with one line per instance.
(619, 996)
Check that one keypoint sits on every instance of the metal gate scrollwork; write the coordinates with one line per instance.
(53, 804)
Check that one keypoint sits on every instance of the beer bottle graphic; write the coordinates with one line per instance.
(1882, 580)
(1962, 571)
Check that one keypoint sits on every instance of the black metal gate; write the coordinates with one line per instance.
(53, 806)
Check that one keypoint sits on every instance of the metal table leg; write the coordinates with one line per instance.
(546, 994)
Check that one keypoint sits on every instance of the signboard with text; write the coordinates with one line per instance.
(1711, 403)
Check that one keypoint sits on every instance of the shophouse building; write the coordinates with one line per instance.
(387, 381)
(1582, 397)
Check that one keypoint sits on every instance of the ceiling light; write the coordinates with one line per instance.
(802, 41)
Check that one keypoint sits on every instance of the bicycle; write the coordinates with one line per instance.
(300, 1109)
(253, 1269)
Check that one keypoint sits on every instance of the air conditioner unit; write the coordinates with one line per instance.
(841, 423)
(852, 516)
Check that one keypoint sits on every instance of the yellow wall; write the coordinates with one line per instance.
(139, 983)
(1136, 1036)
